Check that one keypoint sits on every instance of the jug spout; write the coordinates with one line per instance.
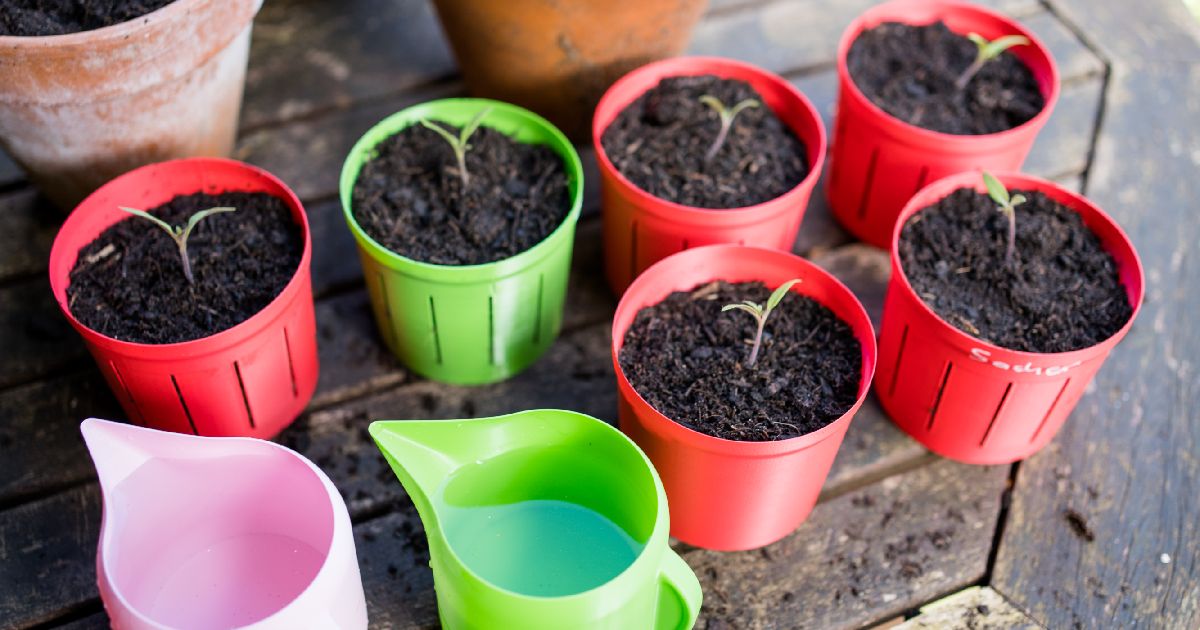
(422, 454)
(119, 449)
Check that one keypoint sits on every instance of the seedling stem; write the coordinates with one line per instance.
(1008, 205)
(459, 143)
(986, 51)
(727, 115)
(760, 313)
(179, 234)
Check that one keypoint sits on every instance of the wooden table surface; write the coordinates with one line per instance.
(897, 529)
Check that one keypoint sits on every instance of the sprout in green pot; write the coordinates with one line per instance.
(459, 143)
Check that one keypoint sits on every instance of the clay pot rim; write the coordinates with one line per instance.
(670, 429)
(129, 29)
(218, 340)
(939, 189)
(859, 24)
(693, 66)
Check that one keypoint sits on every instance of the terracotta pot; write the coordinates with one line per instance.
(724, 494)
(970, 400)
(641, 229)
(557, 57)
(877, 162)
(250, 380)
(77, 110)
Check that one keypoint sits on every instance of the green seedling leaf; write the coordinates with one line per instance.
(727, 116)
(995, 189)
(1007, 204)
(777, 296)
(985, 51)
(760, 313)
(991, 50)
(180, 234)
(460, 143)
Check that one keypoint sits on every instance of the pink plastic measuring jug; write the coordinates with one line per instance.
(203, 532)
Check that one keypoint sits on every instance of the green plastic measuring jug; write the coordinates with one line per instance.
(541, 519)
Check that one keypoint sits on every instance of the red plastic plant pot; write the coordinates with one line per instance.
(878, 162)
(970, 400)
(724, 494)
(250, 380)
(641, 229)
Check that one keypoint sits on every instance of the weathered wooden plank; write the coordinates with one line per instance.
(27, 227)
(40, 445)
(97, 621)
(311, 55)
(873, 445)
(48, 557)
(820, 231)
(862, 557)
(977, 608)
(1062, 146)
(1074, 58)
(393, 557)
(1103, 530)
(873, 448)
(788, 36)
(33, 333)
(353, 358)
(10, 173)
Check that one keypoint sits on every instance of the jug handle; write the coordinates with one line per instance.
(679, 594)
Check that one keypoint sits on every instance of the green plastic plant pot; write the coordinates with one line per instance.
(468, 324)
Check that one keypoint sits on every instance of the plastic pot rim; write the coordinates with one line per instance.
(941, 188)
(697, 65)
(460, 274)
(662, 523)
(171, 352)
(671, 429)
(127, 30)
(944, 141)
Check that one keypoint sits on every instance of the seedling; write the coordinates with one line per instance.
(760, 313)
(459, 143)
(180, 234)
(727, 115)
(987, 51)
(1008, 205)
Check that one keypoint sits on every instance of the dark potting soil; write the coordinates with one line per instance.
(686, 358)
(909, 72)
(660, 140)
(129, 282)
(39, 18)
(410, 199)
(1060, 293)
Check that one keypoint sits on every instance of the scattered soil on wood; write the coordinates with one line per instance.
(910, 73)
(659, 143)
(410, 199)
(1079, 525)
(1060, 293)
(129, 283)
(686, 358)
(39, 18)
